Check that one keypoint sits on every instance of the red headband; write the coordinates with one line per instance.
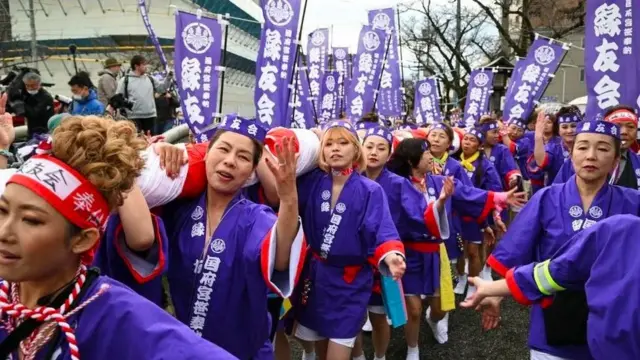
(622, 115)
(65, 189)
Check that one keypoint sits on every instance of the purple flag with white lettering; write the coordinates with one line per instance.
(427, 102)
(300, 106)
(317, 60)
(532, 78)
(328, 99)
(152, 34)
(367, 67)
(275, 63)
(341, 65)
(612, 50)
(198, 45)
(390, 95)
(478, 94)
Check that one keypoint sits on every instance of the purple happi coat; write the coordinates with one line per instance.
(556, 154)
(346, 243)
(488, 180)
(504, 163)
(421, 229)
(602, 260)
(521, 149)
(120, 324)
(453, 168)
(544, 225)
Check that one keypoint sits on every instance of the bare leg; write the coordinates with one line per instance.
(282, 348)
(357, 347)
(336, 351)
(381, 333)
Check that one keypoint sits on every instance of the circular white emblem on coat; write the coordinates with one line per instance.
(218, 246)
(425, 89)
(637, 172)
(326, 195)
(565, 154)
(340, 208)
(481, 79)
(432, 191)
(381, 21)
(595, 212)
(197, 213)
(492, 158)
(575, 211)
(197, 38)
(330, 82)
(544, 55)
(371, 40)
(318, 38)
(279, 12)
(340, 54)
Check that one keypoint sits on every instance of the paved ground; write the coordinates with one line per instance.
(466, 339)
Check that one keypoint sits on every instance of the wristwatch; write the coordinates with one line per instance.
(6, 153)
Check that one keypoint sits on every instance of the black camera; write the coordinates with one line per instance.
(119, 102)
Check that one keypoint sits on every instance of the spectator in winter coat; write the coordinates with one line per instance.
(38, 105)
(85, 97)
(108, 82)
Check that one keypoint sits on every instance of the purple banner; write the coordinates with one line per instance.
(367, 68)
(275, 63)
(317, 60)
(198, 46)
(478, 94)
(152, 34)
(328, 100)
(532, 78)
(390, 95)
(612, 50)
(427, 102)
(341, 64)
(300, 107)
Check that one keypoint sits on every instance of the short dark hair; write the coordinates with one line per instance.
(81, 79)
(257, 147)
(137, 60)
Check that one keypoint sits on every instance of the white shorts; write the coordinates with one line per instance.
(538, 355)
(376, 309)
(304, 333)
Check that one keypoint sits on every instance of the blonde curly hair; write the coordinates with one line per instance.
(105, 151)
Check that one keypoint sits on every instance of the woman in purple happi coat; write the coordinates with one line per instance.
(552, 216)
(224, 252)
(603, 262)
(419, 224)
(548, 157)
(350, 232)
(428, 272)
(483, 175)
(51, 215)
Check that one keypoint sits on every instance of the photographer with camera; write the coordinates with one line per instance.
(136, 94)
(35, 104)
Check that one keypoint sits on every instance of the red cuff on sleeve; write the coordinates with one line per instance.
(489, 205)
(140, 279)
(512, 147)
(531, 164)
(509, 175)
(196, 181)
(497, 266)
(537, 182)
(385, 248)
(264, 263)
(431, 222)
(517, 294)
(546, 302)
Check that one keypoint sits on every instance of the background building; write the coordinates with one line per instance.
(113, 28)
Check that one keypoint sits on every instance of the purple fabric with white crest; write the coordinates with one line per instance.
(300, 107)
(275, 63)
(612, 51)
(328, 99)
(569, 118)
(477, 133)
(342, 65)
(390, 95)
(517, 122)
(488, 127)
(478, 94)
(599, 127)
(379, 131)
(142, 6)
(242, 126)
(427, 102)
(317, 60)
(532, 78)
(342, 124)
(366, 72)
(198, 46)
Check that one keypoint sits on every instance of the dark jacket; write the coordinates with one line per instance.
(38, 109)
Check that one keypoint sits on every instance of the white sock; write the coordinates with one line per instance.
(381, 358)
(413, 350)
(308, 356)
(361, 357)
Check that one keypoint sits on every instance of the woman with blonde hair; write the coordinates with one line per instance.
(52, 210)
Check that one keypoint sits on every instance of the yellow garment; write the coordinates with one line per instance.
(468, 163)
(443, 159)
(447, 298)
(286, 306)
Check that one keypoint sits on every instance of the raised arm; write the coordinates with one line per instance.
(136, 221)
